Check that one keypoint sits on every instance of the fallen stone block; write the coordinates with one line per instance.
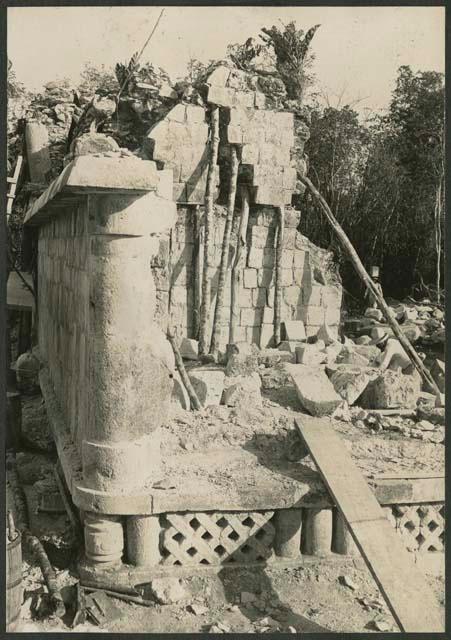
(290, 345)
(243, 363)
(375, 314)
(90, 143)
(315, 391)
(392, 389)
(179, 393)
(325, 333)
(271, 357)
(208, 383)
(332, 351)
(368, 351)
(242, 390)
(410, 313)
(348, 355)
(293, 330)
(438, 374)
(363, 340)
(350, 382)
(189, 349)
(276, 377)
(167, 590)
(309, 354)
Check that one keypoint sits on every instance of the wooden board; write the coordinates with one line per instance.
(401, 583)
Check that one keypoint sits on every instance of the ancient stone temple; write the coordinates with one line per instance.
(120, 253)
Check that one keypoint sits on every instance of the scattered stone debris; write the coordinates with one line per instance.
(167, 590)
(348, 582)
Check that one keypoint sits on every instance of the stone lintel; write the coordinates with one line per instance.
(89, 174)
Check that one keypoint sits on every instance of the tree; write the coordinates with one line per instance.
(291, 49)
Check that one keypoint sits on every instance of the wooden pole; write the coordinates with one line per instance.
(197, 262)
(237, 269)
(234, 162)
(33, 544)
(278, 279)
(195, 402)
(368, 282)
(208, 231)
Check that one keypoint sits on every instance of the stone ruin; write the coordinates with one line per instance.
(311, 290)
(120, 254)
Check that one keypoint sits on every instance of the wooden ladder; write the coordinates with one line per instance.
(13, 181)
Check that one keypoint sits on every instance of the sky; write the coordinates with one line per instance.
(357, 49)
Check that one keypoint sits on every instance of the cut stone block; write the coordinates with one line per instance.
(189, 349)
(368, 351)
(293, 330)
(332, 351)
(348, 355)
(242, 390)
(290, 345)
(179, 393)
(277, 377)
(315, 391)
(243, 363)
(363, 340)
(375, 314)
(325, 333)
(272, 357)
(219, 76)
(309, 354)
(390, 390)
(208, 383)
(250, 278)
(350, 382)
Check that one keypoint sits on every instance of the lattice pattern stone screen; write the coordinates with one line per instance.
(217, 537)
(421, 525)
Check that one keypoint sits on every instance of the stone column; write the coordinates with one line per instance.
(287, 542)
(317, 532)
(143, 540)
(130, 358)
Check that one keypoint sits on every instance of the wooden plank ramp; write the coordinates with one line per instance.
(403, 586)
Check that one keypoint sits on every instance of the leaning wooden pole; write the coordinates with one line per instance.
(216, 333)
(278, 278)
(194, 400)
(237, 269)
(197, 269)
(208, 232)
(361, 271)
(32, 544)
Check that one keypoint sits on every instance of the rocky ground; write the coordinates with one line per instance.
(335, 593)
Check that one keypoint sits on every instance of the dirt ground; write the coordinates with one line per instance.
(309, 597)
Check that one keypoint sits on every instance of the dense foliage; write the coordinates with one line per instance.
(384, 182)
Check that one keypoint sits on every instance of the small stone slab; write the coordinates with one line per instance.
(315, 391)
(294, 330)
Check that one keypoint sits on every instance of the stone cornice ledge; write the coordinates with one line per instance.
(91, 174)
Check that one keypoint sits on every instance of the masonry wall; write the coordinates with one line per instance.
(63, 293)
(311, 289)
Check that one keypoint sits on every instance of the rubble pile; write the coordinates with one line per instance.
(324, 377)
(422, 322)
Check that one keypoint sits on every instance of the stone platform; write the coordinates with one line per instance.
(222, 508)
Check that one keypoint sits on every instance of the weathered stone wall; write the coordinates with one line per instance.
(311, 290)
(98, 227)
(63, 310)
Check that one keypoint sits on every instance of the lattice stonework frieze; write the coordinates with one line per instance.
(217, 537)
(421, 525)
